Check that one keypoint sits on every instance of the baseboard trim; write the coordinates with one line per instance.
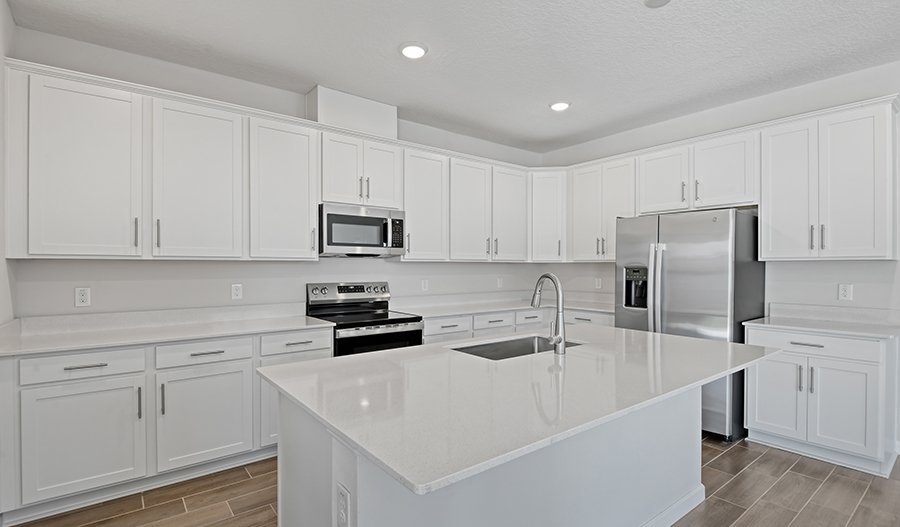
(679, 509)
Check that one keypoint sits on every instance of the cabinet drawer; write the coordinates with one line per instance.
(588, 317)
(531, 316)
(856, 349)
(203, 352)
(493, 320)
(447, 337)
(296, 341)
(436, 326)
(80, 366)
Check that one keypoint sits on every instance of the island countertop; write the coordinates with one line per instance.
(430, 416)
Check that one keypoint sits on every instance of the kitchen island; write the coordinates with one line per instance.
(607, 434)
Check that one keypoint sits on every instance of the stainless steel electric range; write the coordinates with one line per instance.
(362, 317)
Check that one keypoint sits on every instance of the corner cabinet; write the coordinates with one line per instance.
(828, 187)
(548, 213)
(427, 206)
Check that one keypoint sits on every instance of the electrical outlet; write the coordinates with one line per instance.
(343, 506)
(424, 285)
(82, 297)
(598, 283)
(845, 291)
(499, 281)
(237, 291)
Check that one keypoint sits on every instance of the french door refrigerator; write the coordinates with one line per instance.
(694, 274)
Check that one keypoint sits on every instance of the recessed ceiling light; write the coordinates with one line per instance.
(655, 3)
(559, 106)
(413, 50)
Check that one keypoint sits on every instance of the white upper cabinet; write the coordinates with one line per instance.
(282, 190)
(828, 187)
(586, 212)
(616, 201)
(726, 171)
(84, 169)
(663, 180)
(470, 210)
(509, 215)
(427, 205)
(197, 181)
(548, 216)
(361, 172)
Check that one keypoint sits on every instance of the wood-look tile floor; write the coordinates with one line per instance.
(747, 485)
(238, 497)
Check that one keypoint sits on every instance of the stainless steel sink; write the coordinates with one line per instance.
(506, 349)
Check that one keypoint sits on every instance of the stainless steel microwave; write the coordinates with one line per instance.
(351, 231)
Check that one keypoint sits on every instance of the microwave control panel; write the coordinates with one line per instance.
(397, 233)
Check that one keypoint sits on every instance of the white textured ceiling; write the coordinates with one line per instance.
(494, 66)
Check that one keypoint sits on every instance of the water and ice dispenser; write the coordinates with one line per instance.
(635, 287)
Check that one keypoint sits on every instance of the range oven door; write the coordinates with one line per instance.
(362, 340)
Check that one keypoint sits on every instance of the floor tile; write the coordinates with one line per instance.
(734, 460)
(253, 500)
(866, 517)
(231, 491)
(753, 446)
(774, 462)
(895, 473)
(90, 514)
(840, 494)
(194, 486)
(197, 518)
(746, 488)
(716, 442)
(792, 491)
(708, 453)
(817, 516)
(144, 516)
(711, 513)
(765, 514)
(713, 479)
(262, 467)
(855, 474)
(813, 468)
(883, 495)
(254, 518)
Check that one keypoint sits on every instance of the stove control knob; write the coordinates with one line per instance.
(384, 289)
(324, 290)
(369, 289)
(315, 290)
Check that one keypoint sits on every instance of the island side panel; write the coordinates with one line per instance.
(304, 468)
(642, 469)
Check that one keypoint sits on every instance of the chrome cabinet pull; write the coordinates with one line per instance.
(487, 243)
(683, 190)
(812, 234)
(158, 233)
(822, 237)
(360, 188)
(368, 188)
(86, 366)
(162, 395)
(812, 379)
(135, 232)
(603, 246)
(494, 321)
(583, 319)
(558, 247)
(598, 246)
(697, 190)
(496, 245)
(808, 345)
(800, 377)
(140, 404)
(450, 326)
(298, 343)
(202, 353)
(531, 317)
(407, 243)
(312, 244)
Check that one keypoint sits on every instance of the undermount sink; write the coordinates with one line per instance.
(507, 349)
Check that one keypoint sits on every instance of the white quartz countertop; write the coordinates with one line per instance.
(494, 307)
(14, 342)
(826, 327)
(430, 416)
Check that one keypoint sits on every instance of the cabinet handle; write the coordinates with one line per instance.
(496, 245)
(697, 190)
(603, 246)
(487, 242)
(450, 326)
(822, 237)
(808, 345)
(531, 317)
(812, 234)
(583, 319)
(158, 234)
(812, 379)
(312, 240)
(135, 232)
(202, 353)
(558, 247)
(140, 404)
(407, 243)
(368, 188)
(598, 246)
(360, 188)
(162, 396)
(494, 321)
(800, 377)
(298, 343)
(86, 366)
(683, 190)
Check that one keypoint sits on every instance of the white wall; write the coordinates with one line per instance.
(7, 34)
(431, 136)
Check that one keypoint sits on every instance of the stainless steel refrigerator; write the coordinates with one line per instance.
(694, 274)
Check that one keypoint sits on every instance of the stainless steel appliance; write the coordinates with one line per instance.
(694, 274)
(363, 320)
(351, 231)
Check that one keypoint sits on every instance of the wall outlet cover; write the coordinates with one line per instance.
(499, 281)
(598, 283)
(845, 291)
(82, 297)
(424, 285)
(237, 291)
(343, 506)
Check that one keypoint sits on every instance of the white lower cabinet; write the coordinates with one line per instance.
(82, 435)
(204, 412)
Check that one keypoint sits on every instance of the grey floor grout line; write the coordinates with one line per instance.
(811, 496)
(761, 495)
(861, 498)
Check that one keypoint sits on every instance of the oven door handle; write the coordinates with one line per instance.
(378, 330)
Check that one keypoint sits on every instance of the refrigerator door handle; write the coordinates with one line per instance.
(651, 289)
(657, 300)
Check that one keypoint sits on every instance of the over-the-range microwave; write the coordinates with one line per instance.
(351, 231)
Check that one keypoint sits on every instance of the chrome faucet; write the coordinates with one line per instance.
(557, 335)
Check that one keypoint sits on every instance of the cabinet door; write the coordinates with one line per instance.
(203, 413)
(776, 396)
(844, 406)
(788, 205)
(197, 181)
(342, 168)
(282, 190)
(726, 171)
(82, 435)
(383, 174)
(586, 214)
(427, 205)
(268, 415)
(547, 216)
(470, 210)
(616, 201)
(855, 184)
(510, 215)
(663, 180)
(84, 169)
